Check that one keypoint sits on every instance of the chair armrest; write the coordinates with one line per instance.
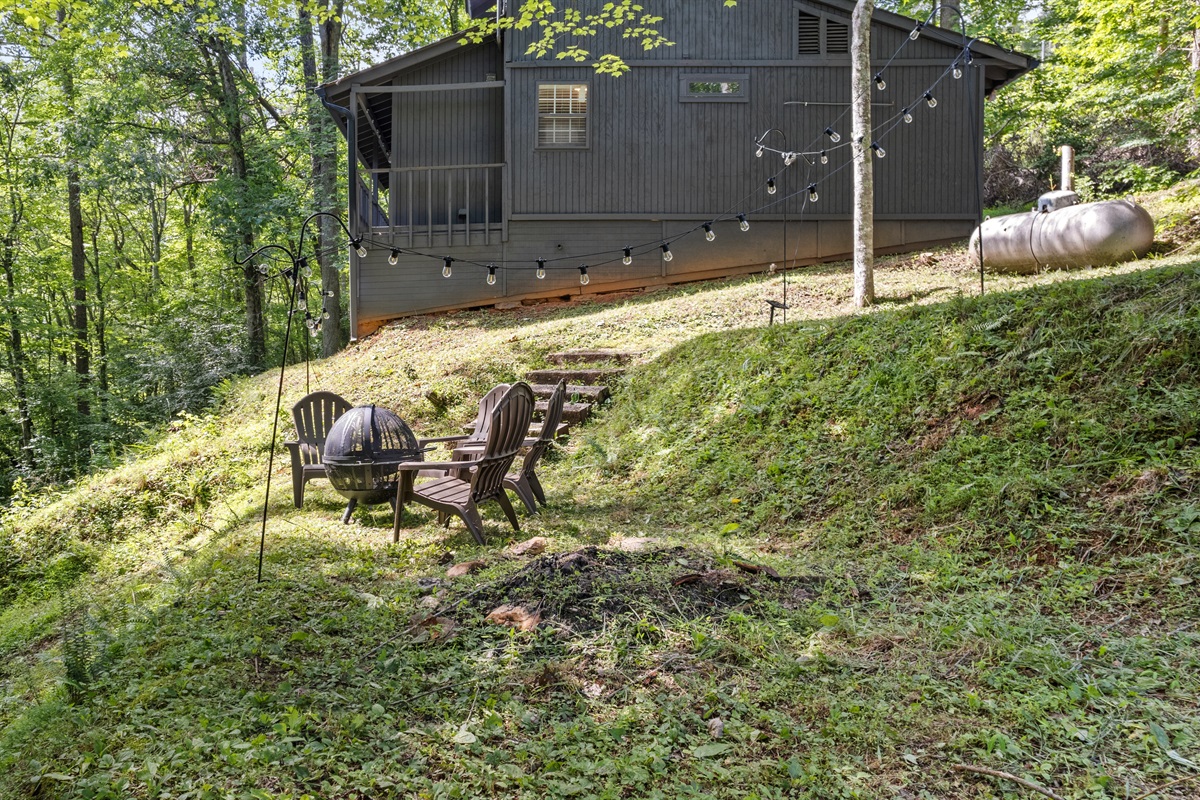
(294, 449)
(417, 466)
(456, 438)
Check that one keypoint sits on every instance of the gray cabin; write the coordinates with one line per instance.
(511, 173)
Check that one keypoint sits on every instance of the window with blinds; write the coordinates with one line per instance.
(820, 35)
(562, 115)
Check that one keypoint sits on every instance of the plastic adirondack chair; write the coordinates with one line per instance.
(480, 477)
(314, 416)
(482, 420)
(525, 481)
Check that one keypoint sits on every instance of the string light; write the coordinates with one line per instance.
(305, 269)
(743, 223)
(666, 248)
(833, 135)
(880, 83)
(491, 278)
(326, 313)
(627, 259)
(812, 192)
(770, 186)
(708, 232)
(264, 269)
(327, 293)
(916, 32)
(541, 269)
(584, 280)
(758, 153)
(879, 151)
(358, 247)
(907, 116)
(930, 100)
(789, 159)
(957, 73)
(446, 269)
(824, 157)
(394, 258)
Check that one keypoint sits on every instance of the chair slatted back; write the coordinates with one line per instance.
(314, 416)
(483, 420)
(506, 432)
(554, 412)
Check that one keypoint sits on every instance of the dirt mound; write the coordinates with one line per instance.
(583, 588)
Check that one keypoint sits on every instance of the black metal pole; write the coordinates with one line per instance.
(294, 275)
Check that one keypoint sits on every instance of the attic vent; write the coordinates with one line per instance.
(837, 37)
(809, 35)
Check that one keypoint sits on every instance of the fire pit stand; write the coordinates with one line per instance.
(362, 452)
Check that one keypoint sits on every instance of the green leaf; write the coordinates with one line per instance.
(710, 750)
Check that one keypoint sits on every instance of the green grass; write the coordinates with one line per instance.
(982, 512)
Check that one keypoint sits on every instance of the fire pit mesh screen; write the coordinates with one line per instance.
(362, 451)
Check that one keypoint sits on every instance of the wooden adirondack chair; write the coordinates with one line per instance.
(482, 474)
(525, 481)
(314, 416)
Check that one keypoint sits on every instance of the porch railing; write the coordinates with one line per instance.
(455, 205)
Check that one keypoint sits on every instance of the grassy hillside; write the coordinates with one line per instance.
(849, 557)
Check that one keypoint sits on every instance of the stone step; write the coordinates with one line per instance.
(587, 377)
(589, 394)
(573, 413)
(592, 357)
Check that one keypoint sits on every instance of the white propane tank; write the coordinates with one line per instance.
(1086, 235)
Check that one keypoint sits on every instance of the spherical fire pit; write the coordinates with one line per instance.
(362, 451)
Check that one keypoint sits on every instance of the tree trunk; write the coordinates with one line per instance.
(325, 180)
(16, 345)
(861, 87)
(79, 311)
(252, 284)
(949, 17)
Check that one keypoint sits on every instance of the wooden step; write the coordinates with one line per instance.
(589, 394)
(588, 377)
(592, 357)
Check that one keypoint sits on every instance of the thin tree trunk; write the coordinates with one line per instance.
(252, 284)
(326, 155)
(79, 315)
(864, 181)
(16, 346)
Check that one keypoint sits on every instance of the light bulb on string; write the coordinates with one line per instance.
(758, 153)
(833, 135)
(667, 255)
(359, 248)
(907, 115)
(305, 269)
(930, 100)
(264, 269)
(446, 271)
(584, 280)
(770, 186)
(627, 259)
(302, 302)
(327, 293)
(916, 32)
(491, 278)
(541, 269)
(743, 223)
(824, 157)
(789, 159)
(957, 73)
(812, 192)
(708, 232)
(880, 83)
(879, 151)
(326, 313)
(394, 258)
